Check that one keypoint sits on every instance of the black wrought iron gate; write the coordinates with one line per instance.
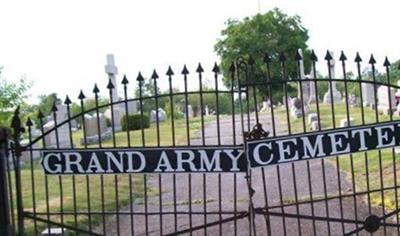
(197, 179)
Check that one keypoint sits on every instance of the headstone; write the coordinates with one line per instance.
(315, 126)
(265, 107)
(384, 101)
(26, 155)
(161, 115)
(119, 110)
(36, 133)
(92, 128)
(189, 111)
(312, 117)
(352, 100)
(367, 94)
(54, 232)
(296, 108)
(305, 86)
(345, 123)
(332, 92)
(206, 111)
(312, 97)
(64, 140)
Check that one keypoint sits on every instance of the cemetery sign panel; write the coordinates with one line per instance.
(321, 144)
(144, 160)
(262, 152)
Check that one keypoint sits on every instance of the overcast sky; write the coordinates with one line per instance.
(61, 45)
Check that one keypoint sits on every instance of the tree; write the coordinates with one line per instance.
(395, 72)
(11, 96)
(273, 32)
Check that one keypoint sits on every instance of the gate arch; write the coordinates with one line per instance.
(344, 194)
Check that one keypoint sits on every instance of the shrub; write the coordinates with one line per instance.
(134, 122)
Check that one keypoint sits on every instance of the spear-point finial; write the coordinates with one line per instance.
(199, 69)
(372, 60)
(267, 58)
(67, 101)
(328, 56)
(313, 56)
(81, 95)
(16, 123)
(96, 89)
(386, 63)
(54, 107)
(170, 72)
(29, 122)
(358, 58)
(185, 71)
(110, 85)
(154, 75)
(342, 57)
(124, 80)
(40, 115)
(282, 57)
(232, 67)
(216, 68)
(139, 77)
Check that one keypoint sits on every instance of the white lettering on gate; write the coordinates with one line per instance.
(284, 151)
(94, 163)
(46, 163)
(69, 163)
(188, 160)
(384, 136)
(130, 161)
(164, 163)
(361, 133)
(215, 161)
(338, 143)
(119, 163)
(256, 154)
(310, 150)
(234, 158)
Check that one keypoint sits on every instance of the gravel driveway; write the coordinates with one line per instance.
(220, 195)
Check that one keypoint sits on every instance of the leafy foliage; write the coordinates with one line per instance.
(135, 122)
(11, 96)
(273, 32)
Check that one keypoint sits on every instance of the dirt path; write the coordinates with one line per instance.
(220, 194)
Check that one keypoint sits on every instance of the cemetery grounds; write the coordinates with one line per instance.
(360, 169)
(128, 185)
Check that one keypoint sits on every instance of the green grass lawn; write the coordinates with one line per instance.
(96, 183)
(374, 158)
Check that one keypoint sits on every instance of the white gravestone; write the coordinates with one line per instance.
(332, 91)
(312, 97)
(384, 101)
(265, 106)
(92, 128)
(206, 111)
(64, 140)
(161, 115)
(312, 117)
(189, 111)
(367, 94)
(344, 122)
(352, 100)
(296, 108)
(315, 126)
(118, 109)
(305, 86)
